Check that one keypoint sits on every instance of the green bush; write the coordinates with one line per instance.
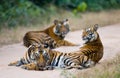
(82, 7)
(14, 12)
(23, 12)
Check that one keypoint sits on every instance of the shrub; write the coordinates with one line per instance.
(23, 12)
(14, 12)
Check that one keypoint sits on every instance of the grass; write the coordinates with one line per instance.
(77, 22)
(106, 69)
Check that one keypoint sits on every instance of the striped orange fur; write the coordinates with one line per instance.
(89, 54)
(53, 35)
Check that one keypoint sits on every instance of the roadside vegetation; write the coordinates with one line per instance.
(106, 69)
(31, 12)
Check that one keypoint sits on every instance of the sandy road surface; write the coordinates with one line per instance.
(110, 36)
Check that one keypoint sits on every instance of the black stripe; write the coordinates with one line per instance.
(65, 60)
(29, 53)
(53, 62)
(65, 54)
(58, 59)
(27, 60)
(28, 56)
(70, 63)
(22, 61)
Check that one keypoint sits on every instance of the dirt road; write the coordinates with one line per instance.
(110, 36)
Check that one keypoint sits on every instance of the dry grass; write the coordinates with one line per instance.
(9, 36)
(106, 69)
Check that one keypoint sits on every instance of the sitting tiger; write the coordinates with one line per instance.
(88, 55)
(56, 32)
(35, 58)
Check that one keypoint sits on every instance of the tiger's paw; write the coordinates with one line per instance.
(25, 67)
(49, 68)
(80, 67)
(11, 64)
(89, 64)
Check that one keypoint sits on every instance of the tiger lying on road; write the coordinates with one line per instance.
(88, 55)
(56, 32)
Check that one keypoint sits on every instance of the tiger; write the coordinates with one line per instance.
(53, 35)
(93, 46)
(87, 56)
(35, 58)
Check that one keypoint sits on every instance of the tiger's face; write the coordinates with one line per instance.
(90, 34)
(61, 28)
(39, 54)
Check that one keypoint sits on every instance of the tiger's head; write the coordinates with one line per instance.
(90, 34)
(39, 54)
(61, 28)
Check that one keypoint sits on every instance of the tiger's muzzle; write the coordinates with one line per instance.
(63, 34)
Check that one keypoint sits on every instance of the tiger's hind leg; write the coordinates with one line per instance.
(76, 66)
(65, 43)
(73, 65)
(17, 63)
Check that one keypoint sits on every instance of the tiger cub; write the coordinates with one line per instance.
(56, 32)
(88, 55)
(35, 58)
(93, 47)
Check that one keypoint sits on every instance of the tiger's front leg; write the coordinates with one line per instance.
(30, 66)
(67, 43)
(49, 68)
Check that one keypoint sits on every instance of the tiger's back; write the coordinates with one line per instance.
(93, 50)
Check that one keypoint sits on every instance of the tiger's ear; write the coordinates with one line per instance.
(95, 27)
(55, 22)
(66, 21)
